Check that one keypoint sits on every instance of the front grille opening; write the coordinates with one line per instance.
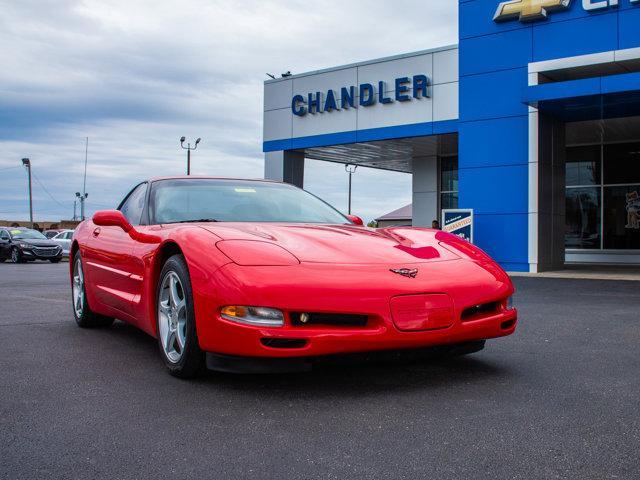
(330, 319)
(283, 342)
(480, 311)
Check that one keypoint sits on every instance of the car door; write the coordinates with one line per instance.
(5, 244)
(66, 241)
(108, 257)
(61, 240)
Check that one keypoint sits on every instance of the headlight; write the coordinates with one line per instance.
(24, 245)
(256, 253)
(260, 316)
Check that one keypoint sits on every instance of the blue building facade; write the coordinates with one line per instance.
(532, 121)
(494, 119)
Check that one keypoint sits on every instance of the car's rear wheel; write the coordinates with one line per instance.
(177, 336)
(16, 255)
(84, 316)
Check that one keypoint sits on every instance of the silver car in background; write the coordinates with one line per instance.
(64, 240)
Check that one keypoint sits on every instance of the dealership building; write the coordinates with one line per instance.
(532, 121)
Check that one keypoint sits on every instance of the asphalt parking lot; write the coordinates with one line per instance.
(559, 399)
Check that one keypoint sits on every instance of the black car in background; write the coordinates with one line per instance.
(23, 244)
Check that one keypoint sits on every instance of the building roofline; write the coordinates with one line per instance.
(402, 213)
(363, 63)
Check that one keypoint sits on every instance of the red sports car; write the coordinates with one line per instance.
(243, 275)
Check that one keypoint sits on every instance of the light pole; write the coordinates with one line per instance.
(81, 199)
(27, 163)
(351, 169)
(188, 148)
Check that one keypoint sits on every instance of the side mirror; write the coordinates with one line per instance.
(115, 218)
(112, 218)
(355, 219)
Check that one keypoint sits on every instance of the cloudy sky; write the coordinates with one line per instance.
(134, 76)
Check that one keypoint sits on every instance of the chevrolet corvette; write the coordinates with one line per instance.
(255, 275)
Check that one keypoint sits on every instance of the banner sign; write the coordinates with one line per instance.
(459, 222)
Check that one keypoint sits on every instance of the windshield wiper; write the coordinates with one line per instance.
(198, 220)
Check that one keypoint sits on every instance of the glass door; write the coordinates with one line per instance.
(603, 186)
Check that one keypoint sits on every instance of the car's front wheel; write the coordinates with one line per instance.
(84, 316)
(177, 337)
(16, 255)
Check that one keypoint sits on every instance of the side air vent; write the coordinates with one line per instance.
(329, 319)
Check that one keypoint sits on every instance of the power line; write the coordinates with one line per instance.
(47, 192)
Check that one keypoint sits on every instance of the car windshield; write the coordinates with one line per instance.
(184, 200)
(27, 234)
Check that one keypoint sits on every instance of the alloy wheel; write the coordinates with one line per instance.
(15, 255)
(78, 288)
(172, 317)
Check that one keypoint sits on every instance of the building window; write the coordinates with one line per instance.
(622, 218)
(583, 218)
(603, 197)
(583, 165)
(449, 182)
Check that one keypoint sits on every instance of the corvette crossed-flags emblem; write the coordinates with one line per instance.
(528, 10)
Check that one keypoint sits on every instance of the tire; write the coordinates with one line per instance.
(175, 317)
(82, 313)
(16, 256)
(55, 260)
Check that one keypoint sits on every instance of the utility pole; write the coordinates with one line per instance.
(27, 163)
(86, 156)
(81, 199)
(188, 148)
(351, 169)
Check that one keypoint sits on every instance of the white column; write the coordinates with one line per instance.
(285, 166)
(425, 191)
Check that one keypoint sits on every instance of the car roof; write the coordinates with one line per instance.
(207, 177)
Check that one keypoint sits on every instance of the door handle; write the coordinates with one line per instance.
(96, 232)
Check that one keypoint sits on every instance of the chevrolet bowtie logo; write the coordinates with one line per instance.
(528, 10)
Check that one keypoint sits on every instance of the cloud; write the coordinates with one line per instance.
(135, 76)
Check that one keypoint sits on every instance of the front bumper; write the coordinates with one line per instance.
(261, 365)
(346, 289)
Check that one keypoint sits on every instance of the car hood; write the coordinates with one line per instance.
(36, 242)
(344, 244)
